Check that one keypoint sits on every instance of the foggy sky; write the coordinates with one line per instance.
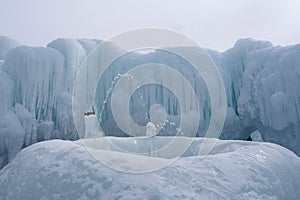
(215, 24)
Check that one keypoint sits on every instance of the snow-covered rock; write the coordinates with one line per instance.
(233, 170)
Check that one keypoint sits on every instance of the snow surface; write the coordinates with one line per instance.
(233, 170)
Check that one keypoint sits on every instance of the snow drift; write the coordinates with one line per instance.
(233, 170)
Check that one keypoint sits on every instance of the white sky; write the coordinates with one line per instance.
(215, 24)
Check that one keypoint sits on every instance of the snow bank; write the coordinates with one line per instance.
(234, 170)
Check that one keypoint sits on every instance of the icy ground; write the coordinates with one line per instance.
(234, 170)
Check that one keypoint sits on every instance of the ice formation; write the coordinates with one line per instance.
(74, 54)
(36, 84)
(6, 44)
(38, 75)
(11, 137)
(6, 93)
(1, 63)
(262, 86)
(263, 90)
(234, 170)
(151, 129)
(28, 123)
(64, 122)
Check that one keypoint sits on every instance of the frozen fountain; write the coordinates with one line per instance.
(158, 117)
(150, 134)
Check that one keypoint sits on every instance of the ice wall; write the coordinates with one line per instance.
(263, 91)
(64, 118)
(6, 93)
(270, 98)
(28, 123)
(11, 131)
(6, 44)
(38, 75)
(74, 54)
(42, 80)
(146, 96)
(262, 85)
(1, 63)
(11, 137)
(35, 91)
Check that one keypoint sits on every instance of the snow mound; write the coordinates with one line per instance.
(233, 170)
